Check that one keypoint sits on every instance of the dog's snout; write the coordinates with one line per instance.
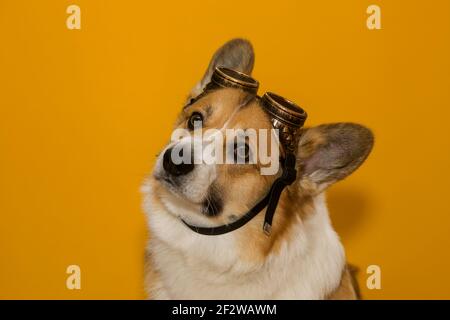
(176, 169)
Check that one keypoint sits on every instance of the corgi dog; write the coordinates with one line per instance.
(301, 258)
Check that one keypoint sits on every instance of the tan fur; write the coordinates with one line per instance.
(346, 289)
(256, 246)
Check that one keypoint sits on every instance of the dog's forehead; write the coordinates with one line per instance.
(232, 108)
(252, 116)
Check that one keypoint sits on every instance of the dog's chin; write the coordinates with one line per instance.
(176, 201)
(170, 188)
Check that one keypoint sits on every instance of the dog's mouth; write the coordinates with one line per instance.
(211, 205)
(168, 183)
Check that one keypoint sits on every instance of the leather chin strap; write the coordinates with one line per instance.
(270, 200)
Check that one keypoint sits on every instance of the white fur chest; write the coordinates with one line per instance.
(193, 266)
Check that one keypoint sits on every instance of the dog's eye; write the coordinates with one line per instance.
(195, 121)
(241, 153)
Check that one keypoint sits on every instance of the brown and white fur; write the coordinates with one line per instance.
(303, 257)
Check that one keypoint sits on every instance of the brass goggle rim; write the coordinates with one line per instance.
(284, 110)
(225, 77)
(281, 110)
(277, 106)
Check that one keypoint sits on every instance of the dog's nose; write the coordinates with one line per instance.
(176, 169)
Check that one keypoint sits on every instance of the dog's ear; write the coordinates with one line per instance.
(236, 54)
(329, 153)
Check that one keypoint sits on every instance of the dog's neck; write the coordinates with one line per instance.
(303, 258)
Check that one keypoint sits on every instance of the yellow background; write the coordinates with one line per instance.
(84, 112)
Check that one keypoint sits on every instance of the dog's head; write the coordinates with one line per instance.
(211, 193)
